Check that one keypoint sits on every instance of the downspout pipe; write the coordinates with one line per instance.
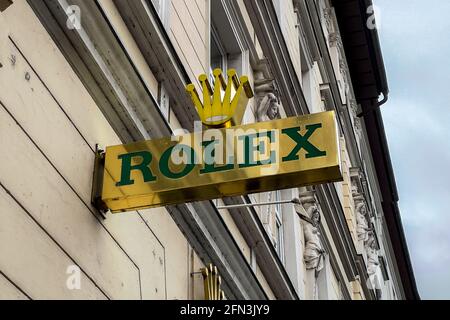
(378, 105)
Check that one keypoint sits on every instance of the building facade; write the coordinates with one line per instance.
(79, 75)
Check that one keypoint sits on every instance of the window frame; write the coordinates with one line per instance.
(162, 8)
(223, 53)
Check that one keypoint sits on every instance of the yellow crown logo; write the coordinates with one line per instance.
(219, 108)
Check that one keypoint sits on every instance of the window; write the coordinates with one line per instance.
(162, 7)
(227, 49)
(218, 54)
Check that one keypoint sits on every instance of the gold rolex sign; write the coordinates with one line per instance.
(224, 160)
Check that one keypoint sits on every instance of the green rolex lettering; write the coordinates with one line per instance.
(250, 148)
(210, 165)
(166, 158)
(143, 167)
(303, 143)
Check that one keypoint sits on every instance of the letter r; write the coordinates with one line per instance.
(143, 167)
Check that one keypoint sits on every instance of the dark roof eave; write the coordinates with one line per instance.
(365, 58)
(383, 86)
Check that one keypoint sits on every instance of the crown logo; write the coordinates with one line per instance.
(212, 283)
(224, 106)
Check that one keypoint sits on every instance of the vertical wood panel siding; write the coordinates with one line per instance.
(50, 125)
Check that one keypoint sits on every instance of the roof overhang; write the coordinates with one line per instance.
(365, 61)
(362, 48)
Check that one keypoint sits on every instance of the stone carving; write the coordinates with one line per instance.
(267, 104)
(344, 72)
(335, 40)
(373, 261)
(269, 108)
(354, 107)
(358, 126)
(363, 212)
(372, 255)
(362, 226)
(264, 86)
(356, 120)
(314, 254)
(328, 15)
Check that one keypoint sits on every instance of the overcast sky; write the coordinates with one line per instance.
(416, 48)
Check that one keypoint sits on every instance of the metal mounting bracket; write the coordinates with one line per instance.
(4, 4)
(97, 182)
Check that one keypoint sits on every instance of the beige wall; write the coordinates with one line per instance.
(49, 126)
(10, 292)
(189, 33)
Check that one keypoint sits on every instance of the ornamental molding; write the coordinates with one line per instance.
(268, 105)
(335, 40)
(328, 16)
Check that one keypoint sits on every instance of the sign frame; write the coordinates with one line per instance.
(108, 195)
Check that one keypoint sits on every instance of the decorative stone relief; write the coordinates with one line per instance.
(267, 103)
(358, 126)
(314, 254)
(356, 120)
(343, 69)
(328, 16)
(335, 40)
(354, 107)
(362, 225)
(372, 255)
(373, 262)
(363, 217)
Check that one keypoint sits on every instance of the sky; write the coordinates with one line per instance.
(415, 40)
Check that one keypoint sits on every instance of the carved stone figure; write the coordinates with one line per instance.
(314, 253)
(268, 109)
(335, 40)
(372, 256)
(362, 227)
(328, 15)
(373, 262)
(267, 105)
